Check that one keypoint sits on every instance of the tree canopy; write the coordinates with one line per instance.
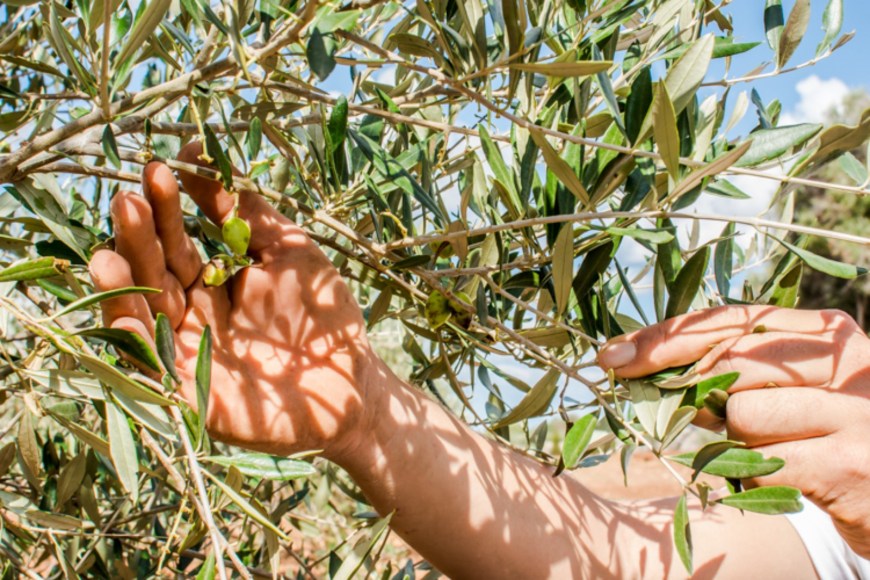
(506, 184)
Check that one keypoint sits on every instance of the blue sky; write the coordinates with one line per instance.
(850, 64)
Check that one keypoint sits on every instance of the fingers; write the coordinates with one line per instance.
(161, 191)
(110, 271)
(769, 416)
(268, 227)
(774, 358)
(137, 242)
(685, 339)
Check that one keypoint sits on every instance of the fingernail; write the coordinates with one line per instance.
(617, 355)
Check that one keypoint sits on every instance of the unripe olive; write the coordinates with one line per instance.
(237, 235)
(217, 271)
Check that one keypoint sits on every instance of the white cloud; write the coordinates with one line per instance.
(818, 97)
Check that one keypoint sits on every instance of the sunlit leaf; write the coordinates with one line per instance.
(734, 463)
(535, 402)
(687, 283)
(793, 32)
(825, 265)
(577, 439)
(123, 449)
(683, 534)
(563, 267)
(266, 466)
(766, 500)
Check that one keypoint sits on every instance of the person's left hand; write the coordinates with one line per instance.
(818, 417)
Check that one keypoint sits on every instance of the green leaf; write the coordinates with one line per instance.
(724, 188)
(321, 53)
(735, 463)
(794, 31)
(665, 130)
(769, 144)
(565, 69)
(208, 569)
(123, 449)
(129, 342)
(824, 265)
(646, 399)
(723, 47)
(68, 383)
(687, 283)
(34, 193)
(70, 478)
(683, 534)
(500, 171)
(337, 125)
(709, 452)
(773, 21)
(214, 150)
(266, 466)
(766, 500)
(203, 379)
(577, 439)
(145, 25)
(151, 416)
(392, 170)
(560, 168)
(245, 505)
(98, 297)
(30, 270)
(110, 146)
(638, 103)
(681, 419)
(118, 380)
(721, 382)
(686, 75)
(715, 167)
(237, 235)
(853, 168)
(94, 441)
(164, 338)
(593, 266)
(535, 402)
(723, 260)
(651, 236)
(787, 287)
(563, 267)
(832, 22)
(254, 138)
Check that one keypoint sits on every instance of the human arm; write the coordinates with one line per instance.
(293, 370)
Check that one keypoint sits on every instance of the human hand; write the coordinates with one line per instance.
(291, 366)
(818, 417)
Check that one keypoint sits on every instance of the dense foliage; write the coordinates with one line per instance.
(507, 184)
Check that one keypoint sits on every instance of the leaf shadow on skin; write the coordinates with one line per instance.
(292, 370)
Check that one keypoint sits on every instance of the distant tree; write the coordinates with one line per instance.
(842, 211)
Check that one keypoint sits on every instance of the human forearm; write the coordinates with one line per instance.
(475, 508)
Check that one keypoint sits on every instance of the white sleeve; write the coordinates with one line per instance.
(832, 558)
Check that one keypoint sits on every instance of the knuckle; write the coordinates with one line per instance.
(839, 318)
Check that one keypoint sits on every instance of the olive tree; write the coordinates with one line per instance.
(505, 183)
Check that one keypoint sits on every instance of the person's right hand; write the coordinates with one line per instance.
(803, 394)
(292, 367)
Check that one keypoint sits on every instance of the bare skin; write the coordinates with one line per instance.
(293, 371)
